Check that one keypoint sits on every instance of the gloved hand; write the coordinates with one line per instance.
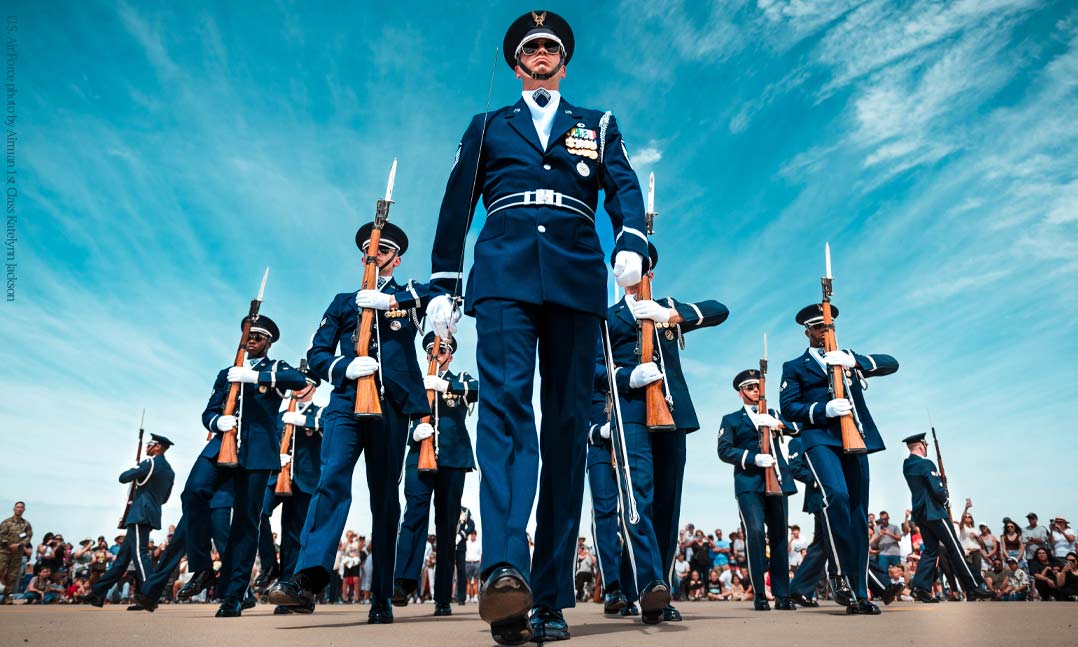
(293, 418)
(435, 383)
(442, 316)
(361, 367)
(285, 460)
(764, 460)
(839, 358)
(648, 309)
(604, 431)
(768, 420)
(628, 267)
(243, 374)
(226, 423)
(422, 431)
(840, 407)
(373, 299)
(644, 374)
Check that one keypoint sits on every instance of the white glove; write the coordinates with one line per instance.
(435, 383)
(764, 460)
(373, 299)
(293, 418)
(839, 358)
(604, 431)
(442, 316)
(648, 309)
(768, 420)
(243, 374)
(226, 423)
(285, 460)
(836, 408)
(627, 268)
(422, 432)
(644, 374)
(361, 367)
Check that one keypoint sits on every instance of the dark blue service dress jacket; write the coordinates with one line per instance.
(454, 445)
(153, 479)
(739, 443)
(926, 487)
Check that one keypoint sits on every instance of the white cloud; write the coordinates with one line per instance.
(646, 155)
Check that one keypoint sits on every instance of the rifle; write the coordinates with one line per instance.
(943, 473)
(428, 458)
(284, 479)
(853, 441)
(368, 402)
(138, 459)
(659, 417)
(772, 479)
(228, 455)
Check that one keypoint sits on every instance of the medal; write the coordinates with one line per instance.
(583, 169)
(450, 402)
(669, 335)
(395, 325)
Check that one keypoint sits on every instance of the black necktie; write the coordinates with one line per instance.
(541, 97)
(382, 280)
(755, 409)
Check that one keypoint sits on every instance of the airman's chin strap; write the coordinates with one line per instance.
(536, 75)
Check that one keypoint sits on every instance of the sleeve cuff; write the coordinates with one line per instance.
(812, 419)
(744, 455)
(329, 372)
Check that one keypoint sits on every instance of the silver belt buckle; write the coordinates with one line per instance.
(544, 196)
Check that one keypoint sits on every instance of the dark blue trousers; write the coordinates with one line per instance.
(154, 585)
(249, 485)
(135, 548)
(939, 536)
(758, 510)
(446, 486)
(381, 442)
(816, 561)
(509, 335)
(843, 479)
(657, 468)
(293, 514)
(605, 522)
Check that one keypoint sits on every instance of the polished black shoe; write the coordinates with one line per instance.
(505, 598)
(249, 600)
(803, 600)
(293, 591)
(284, 611)
(146, 602)
(230, 609)
(653, 599)
(135, 607)
(760, 604)
(670, 614)
(443, 610)
(629, 611)
(841, 591)
(614, 601)
(863, 608)
(891, 592)
(548, 625)
(921, 595)
(381, 612)
(198, 583)
(402, 590)
(785, 604)
(980, 594)
(93, 599)
(265, 579)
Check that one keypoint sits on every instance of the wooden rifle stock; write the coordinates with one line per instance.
(943, 474)
(284, 478)
(131, 490)
(228, 456)
(771, 478)
(852, 442)
(659, 417)
(428, 459)
(368, 404)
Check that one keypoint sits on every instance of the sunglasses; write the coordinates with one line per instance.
(751, 387)
(532, 48)
(257, 336)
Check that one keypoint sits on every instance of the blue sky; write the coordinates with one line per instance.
(168, 154)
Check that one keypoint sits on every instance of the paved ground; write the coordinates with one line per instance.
(986, 624)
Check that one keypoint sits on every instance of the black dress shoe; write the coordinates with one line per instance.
(921, 595)
(614, 601)
(93, 599)
(653, 599)
(803, 600)
(293, 591)
(505, 598)
(785, 604)
(146, 602)
(980, 594)
(284, 611)
(760, 604)
(402, 590)
(670, 614)
(198, 583)
(249, 600)
(135, 607)
(381, 612)
(443, 610)
(548, 625)
(265, 579)
(892, 591)
(841, 591)
(863, 608)
(230, 608)
(629, 611)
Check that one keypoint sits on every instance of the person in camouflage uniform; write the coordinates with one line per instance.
(15, 535)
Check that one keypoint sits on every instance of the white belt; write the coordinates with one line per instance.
(542, 197)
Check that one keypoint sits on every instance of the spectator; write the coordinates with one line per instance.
(473, 556)
(15, 544)
(1034, 536)
(797, 546)
(366, 568)
(714, 586)
(701, 553)
(687, 540)
(1061, 537)
(739, 590)
(350, 565)
(101, 559)
(998, 579)
(970, 539)
(1043, 571)
(695, 587)
(681, 572)
(1019, 582)
(1067, 578)
(737, 548)
(990, 543)
(42, 589)
(1013, 544)
(720, 550)
(886, 541)
(584, 573)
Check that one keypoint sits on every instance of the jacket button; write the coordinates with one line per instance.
(546, 166)
(541, 228)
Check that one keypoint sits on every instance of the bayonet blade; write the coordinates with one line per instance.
(392, 179)
(262, 288)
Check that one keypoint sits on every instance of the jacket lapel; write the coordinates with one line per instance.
(564, 119)
(624, 313)
(520, 120)
(811, 364)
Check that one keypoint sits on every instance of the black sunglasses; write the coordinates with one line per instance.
(532, 47)
(257, 336)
